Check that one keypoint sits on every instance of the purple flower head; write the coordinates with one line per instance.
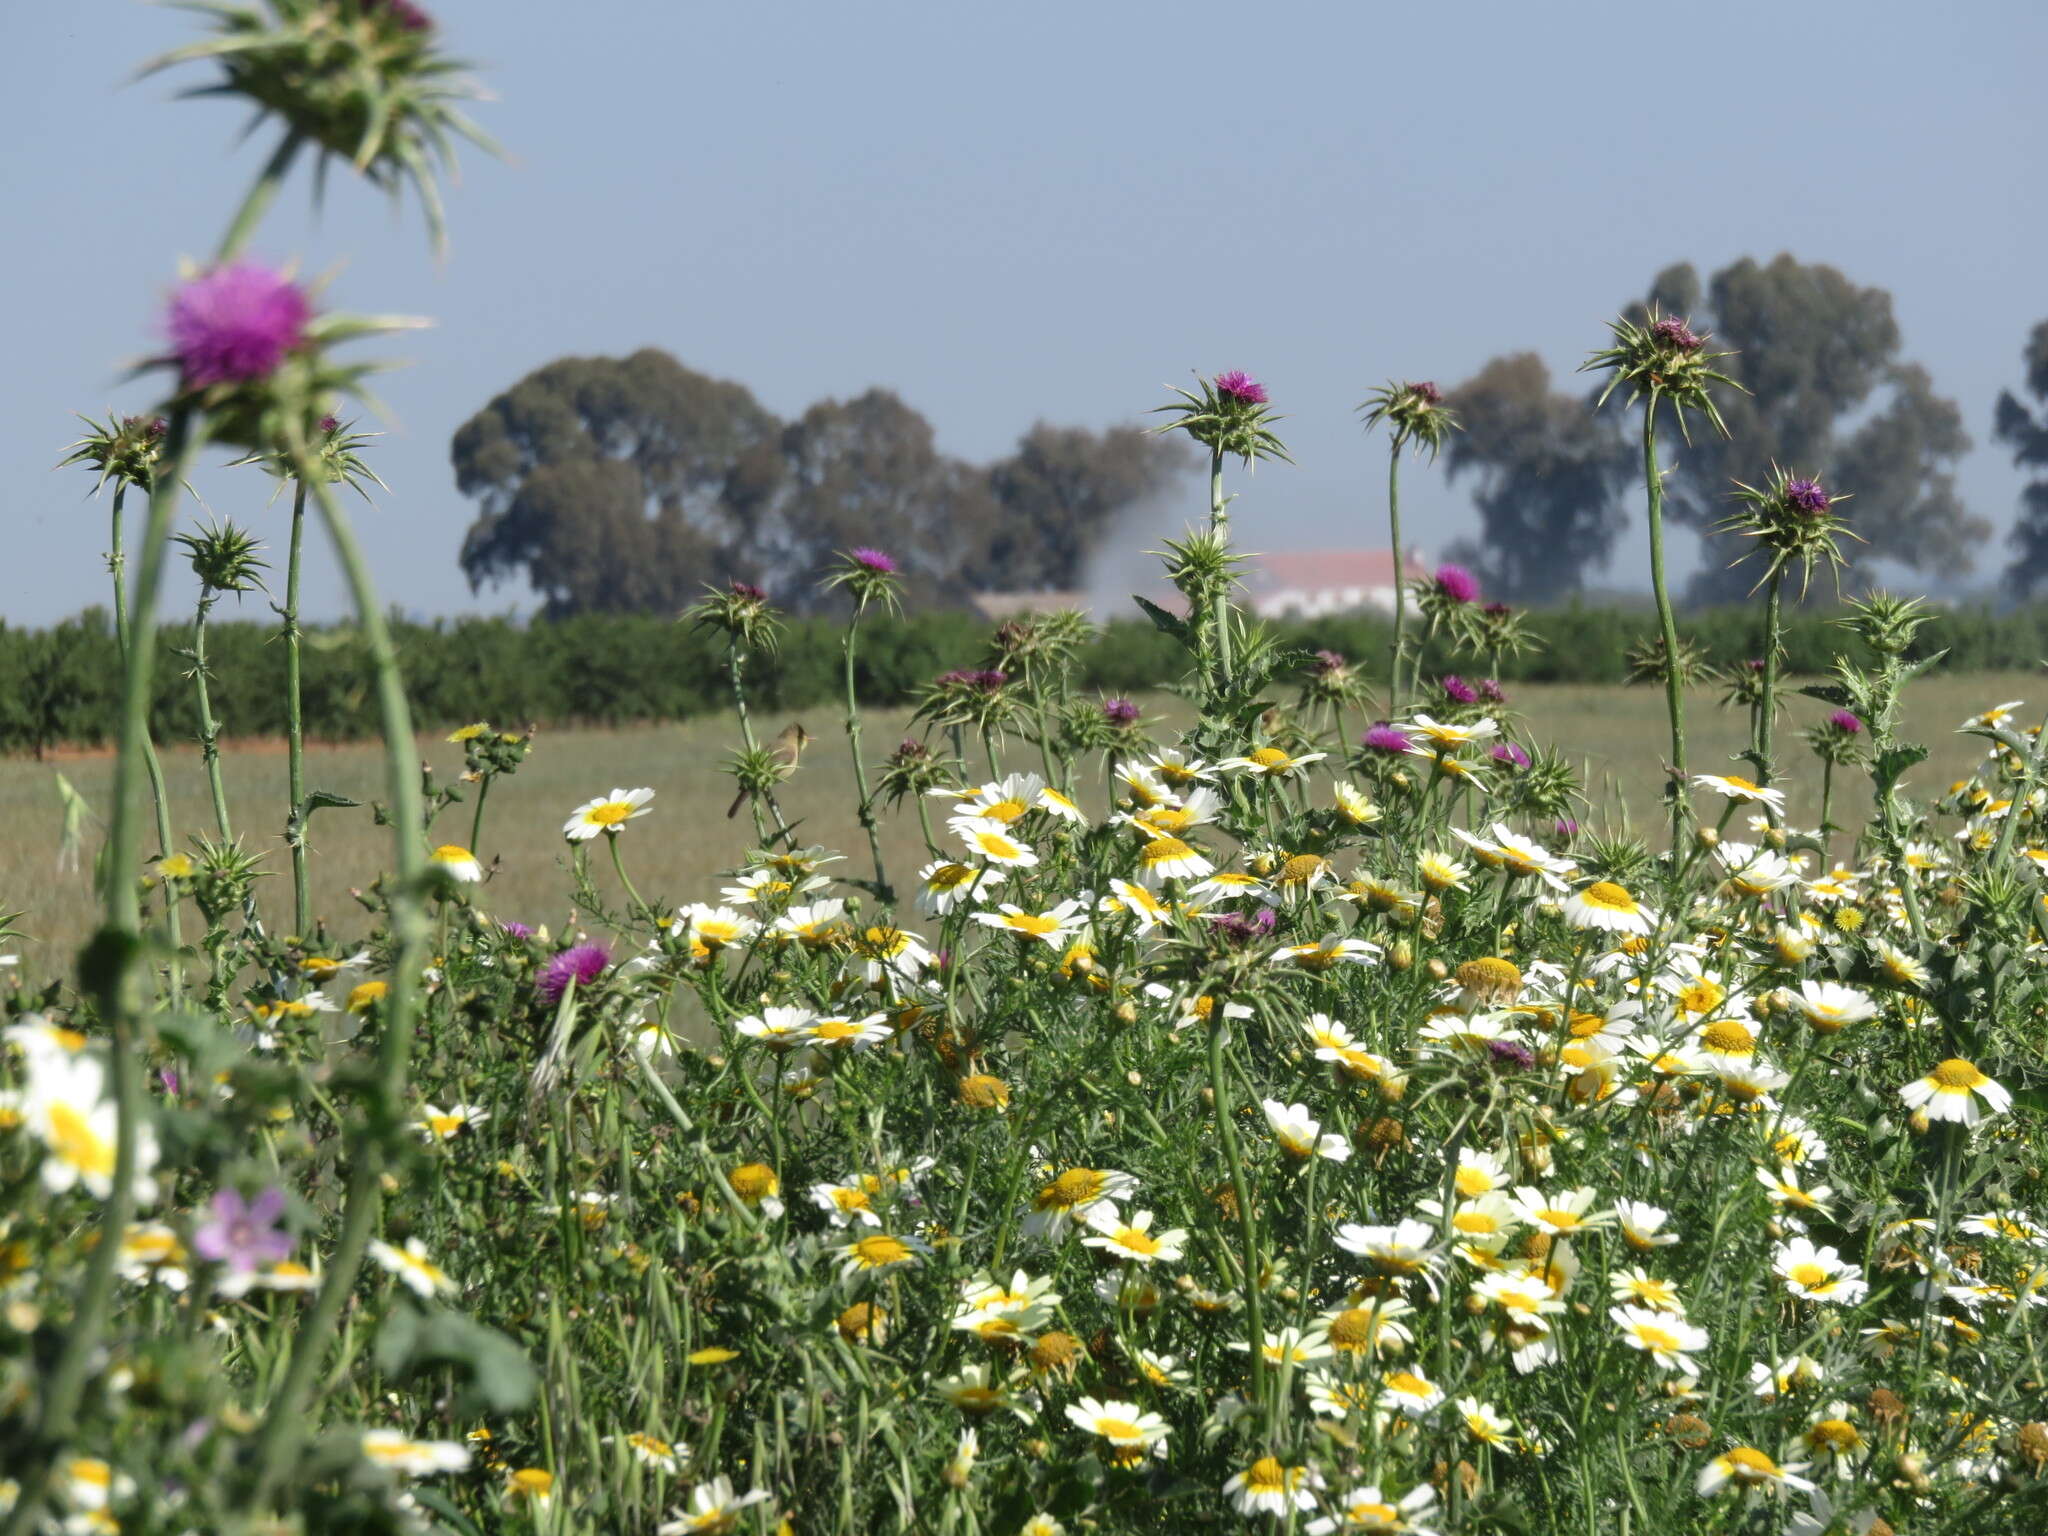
(982, 679)
(1386, 738)
(168, 1079)
(746, 591)
(1806, 496)
(1846, 722)
(1239, 929)
(236, 323)
(1427, 392)
(403, 13)
(330, 425)
(1327, 662)
(1492, 692)
(1675, 334)
(873, 560)
(243, 1233)
(1458, 690)
(1510, 752)
(1755, 664)
(151, 430)
(1457, 583)
(1241, 387)
(1121, 713)
(1511, 1055)
(1565, 828)
(1496, 610)
(517, 930)
(582, 964)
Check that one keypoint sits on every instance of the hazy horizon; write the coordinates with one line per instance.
(1053, 218)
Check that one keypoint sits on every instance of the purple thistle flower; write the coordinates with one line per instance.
(1510, 752)
(1565, 828)
(1511, 1055)
(582, 964)
(1239, 929)
(1121, 713)
(1675, 334)
(1496, 610)
(1386, 738)
(167, 1078)
(1241, 387)
(1806, 496)
(988, 679)
(746, 591)
(1327, 662)
(330, 425)
(873, 560)
(236, 323)
(516, 930)
(1427, 392)
(1755, 664)
(1846, 722)
(1458, 690)
(1492, 692)
(1457, 583)
(243, 1233)
(403, 13)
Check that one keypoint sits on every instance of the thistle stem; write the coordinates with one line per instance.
(1767, 706)
(285, 1426)
(883, 892)
(117, 563)
(1219, 525)
(209, 728)
(1674, 696)
(257, 200)
(295, 724)
(1400, 571)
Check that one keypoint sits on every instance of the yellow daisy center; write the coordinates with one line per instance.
(1957, 1076)
(609, 814)
(1608, 896)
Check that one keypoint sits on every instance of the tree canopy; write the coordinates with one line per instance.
(2025, 431)
(627, 484)
(1551, 475)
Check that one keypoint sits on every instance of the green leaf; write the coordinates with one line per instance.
(1162, 620)
(1893, 762)
(325, 799)
(501, 1378)
(1832, 693)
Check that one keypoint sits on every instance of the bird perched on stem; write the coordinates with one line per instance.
(761, 770)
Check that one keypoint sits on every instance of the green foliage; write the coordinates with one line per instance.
(2025, 430)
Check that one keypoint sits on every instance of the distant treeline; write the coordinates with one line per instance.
(58, 686)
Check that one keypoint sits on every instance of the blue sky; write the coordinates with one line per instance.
(1049, 211)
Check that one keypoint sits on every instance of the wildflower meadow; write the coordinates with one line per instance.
(1330, 1117)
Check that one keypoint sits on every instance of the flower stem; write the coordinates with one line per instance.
(295, 724)
(209, 728)
(1219, 1088)
(1767, 706)
(735, 664)
(1674, 696)
(1400, 586)
(883, 892)
(117, 563)
(1219, 525)
(257, 200)
(285, 1426)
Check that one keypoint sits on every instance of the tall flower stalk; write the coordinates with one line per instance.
(1228, 417)
(336, 452)
(1794, 523)
(126, 451)
(225, 561)
(872, 577)
(1417, 414)
(1659, 360)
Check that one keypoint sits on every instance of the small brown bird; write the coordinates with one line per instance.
(787, 752)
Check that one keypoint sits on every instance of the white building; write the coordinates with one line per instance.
(1308, 584)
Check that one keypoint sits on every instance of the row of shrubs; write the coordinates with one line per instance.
(58, 686)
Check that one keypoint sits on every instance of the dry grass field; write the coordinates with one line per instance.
(676, 853)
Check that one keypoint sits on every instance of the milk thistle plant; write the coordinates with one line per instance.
(1414, 413)
(1274, 1130)
(1661, 360)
